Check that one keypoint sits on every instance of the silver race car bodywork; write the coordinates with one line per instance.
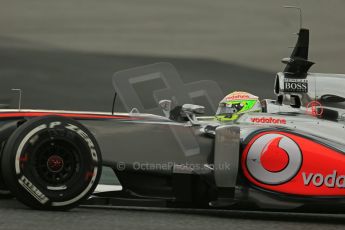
(289, 155)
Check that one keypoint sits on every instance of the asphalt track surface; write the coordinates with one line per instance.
(62, 54)
(15, 216)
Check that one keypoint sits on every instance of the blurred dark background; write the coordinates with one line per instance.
(62, 54)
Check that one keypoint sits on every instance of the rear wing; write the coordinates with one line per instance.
(296, 87)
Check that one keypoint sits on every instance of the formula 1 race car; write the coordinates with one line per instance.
(290, 155)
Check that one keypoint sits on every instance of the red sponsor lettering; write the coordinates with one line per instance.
(237, 97)
(268, 120)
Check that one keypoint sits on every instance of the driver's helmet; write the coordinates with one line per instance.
(235, 104)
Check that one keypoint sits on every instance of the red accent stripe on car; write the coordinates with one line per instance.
(71, 115)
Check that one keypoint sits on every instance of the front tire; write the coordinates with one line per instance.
(51, 163)
(4, 192)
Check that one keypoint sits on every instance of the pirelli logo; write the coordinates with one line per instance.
(295, 85)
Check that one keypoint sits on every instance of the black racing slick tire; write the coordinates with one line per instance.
(4, 192)
(51, 163)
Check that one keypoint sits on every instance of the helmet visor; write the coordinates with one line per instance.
(231, 107)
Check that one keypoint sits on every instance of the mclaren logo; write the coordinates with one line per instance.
(273, 159)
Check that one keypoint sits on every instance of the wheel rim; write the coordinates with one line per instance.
(56, 162)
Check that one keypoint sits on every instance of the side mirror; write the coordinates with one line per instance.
(191, 110)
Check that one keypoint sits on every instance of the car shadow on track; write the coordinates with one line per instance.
(321, 219)
(308, 217)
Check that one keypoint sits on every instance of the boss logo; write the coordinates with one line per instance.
(296, 85)
(273, 159)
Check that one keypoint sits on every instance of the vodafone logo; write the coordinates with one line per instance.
(237, 97)
(331, 180)
(268, 120)
(273, 159)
